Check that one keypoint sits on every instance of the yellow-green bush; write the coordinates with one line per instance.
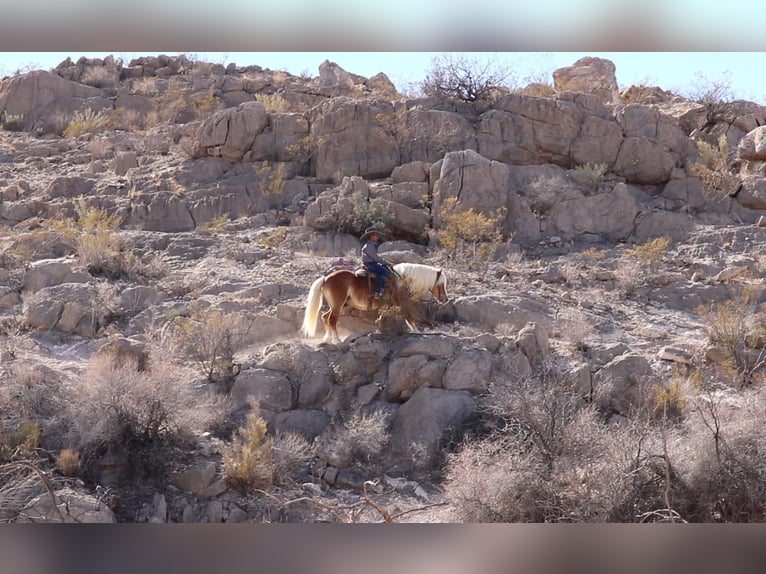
(86, 121)
(248, 462)
(469, 234)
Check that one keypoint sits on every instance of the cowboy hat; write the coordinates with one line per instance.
(371, 231)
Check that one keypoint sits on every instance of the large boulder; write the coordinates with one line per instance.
(427, 420)
(590, 75)
(752, 147)
(230, 133)
(484, 186)
(41, 99)
(350, 140)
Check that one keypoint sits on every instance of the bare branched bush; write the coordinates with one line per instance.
(32, 403)
(292, 454)
(368, 434)
(551, 458)
(462, 78)
(211, 339)
(727, 471)
(360, 439)
(577, 327)
(710, 91)
(117, 408)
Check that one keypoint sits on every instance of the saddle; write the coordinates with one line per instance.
(362, 271)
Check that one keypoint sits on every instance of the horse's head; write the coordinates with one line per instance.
(439, 289)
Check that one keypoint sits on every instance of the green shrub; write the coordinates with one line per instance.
(354, 215)
(588, 177)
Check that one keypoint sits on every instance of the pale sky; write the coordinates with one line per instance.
(680, 72)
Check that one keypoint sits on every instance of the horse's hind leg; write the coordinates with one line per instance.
(330, 320)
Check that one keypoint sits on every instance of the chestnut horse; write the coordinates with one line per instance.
(344, 289)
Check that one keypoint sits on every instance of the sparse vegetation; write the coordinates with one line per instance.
(131, 373)
(713, 170)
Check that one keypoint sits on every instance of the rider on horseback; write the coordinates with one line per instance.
(374, 262)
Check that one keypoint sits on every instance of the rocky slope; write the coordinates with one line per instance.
(161, 223)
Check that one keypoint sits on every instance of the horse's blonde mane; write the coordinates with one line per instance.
(420, 277)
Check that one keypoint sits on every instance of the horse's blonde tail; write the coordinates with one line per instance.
(313, 306)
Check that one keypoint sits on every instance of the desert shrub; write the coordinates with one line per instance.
(13, 122)
(271, 180)
(650, 252)
(589, 176)
(543, 195)
(248, 462)
(292, 454)
(733, 326)
(86, 121)
(550, 457)
(214, 226)
(577, 327)
(358, 440)
(32, 400)
(356, 214)
(463, 78)
(211, 339)
(141, 414)
(273, 238)
(710, 91)
(304, 149)
(99, 248)
(670, 398)
(68, 462)
(713, 167)
(592, 254)
(368, 434)
(726, 473)
(537, 90)
(468, 235)
(638, 265)
(274, 102)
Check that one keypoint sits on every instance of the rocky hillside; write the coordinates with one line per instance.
(162, 220)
